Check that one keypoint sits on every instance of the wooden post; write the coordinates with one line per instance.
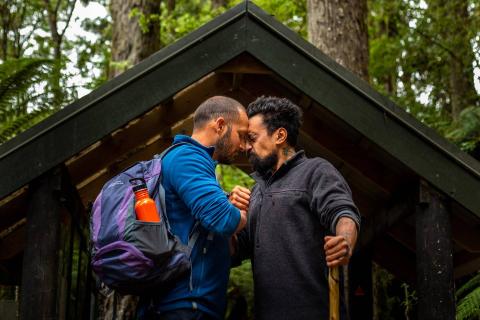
(435, 282)
(40, 259)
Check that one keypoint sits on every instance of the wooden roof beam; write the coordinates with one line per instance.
(13, 208)
(144, 128)
(184, 126)
(12, 240)
(89, 189)
(244, 64)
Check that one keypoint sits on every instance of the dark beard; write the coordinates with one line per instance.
(265, 165)
(223, 148)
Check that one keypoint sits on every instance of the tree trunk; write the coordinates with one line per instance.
(52, 16)
(462, 90)
(218, 4)
(129, 44)
(339, 29)
(171, 5)
(5, 24)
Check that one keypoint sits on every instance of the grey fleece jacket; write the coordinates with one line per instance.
(290, 213)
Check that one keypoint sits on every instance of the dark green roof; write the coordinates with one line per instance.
(245, 28)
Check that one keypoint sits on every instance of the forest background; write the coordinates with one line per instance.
(422, 54)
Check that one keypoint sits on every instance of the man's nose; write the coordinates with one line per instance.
(248, 146)
(243, 146)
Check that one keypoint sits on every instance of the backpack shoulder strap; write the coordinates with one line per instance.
(194, 235)
(196, 227)
(193, 238)
(161, 190)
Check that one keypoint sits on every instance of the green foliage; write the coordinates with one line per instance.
(20, 105)
(386, 303)
(292, 13)
(410, 299)
(94, 55)
(34, 51)
(18, 24)
(421, 56)
(468, 299)
(469, 307)
(231, 176)
(144, 21)
(468, 287)
(467, 131)
(192, 14)
(7, 292)
(241, 285)
(187, 16)
(30, 34)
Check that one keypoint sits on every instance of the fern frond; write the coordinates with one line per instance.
(21, 104)
(11, 128)
(469, 307)
(468, 287)
(19, 75)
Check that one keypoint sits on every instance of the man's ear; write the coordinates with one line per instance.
(280, 135)
(220, 124)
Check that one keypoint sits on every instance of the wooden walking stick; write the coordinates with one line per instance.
(334, 292)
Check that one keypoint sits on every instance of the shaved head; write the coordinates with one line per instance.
(215, 107)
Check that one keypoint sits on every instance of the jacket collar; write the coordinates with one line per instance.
(183, 138)
(295, 160)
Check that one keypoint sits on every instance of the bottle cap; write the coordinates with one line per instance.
(138, 184)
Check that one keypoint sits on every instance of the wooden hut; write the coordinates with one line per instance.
(418, 194)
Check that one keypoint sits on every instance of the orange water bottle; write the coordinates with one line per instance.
(145, 207)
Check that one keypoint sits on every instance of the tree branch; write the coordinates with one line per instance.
(67, 22)
(27, 37)
(57, 6)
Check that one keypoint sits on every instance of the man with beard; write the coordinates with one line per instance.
(194, 199)
(301, 217)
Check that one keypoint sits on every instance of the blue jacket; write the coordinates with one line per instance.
(192, 194)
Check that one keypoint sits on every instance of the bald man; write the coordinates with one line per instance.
(195, 201)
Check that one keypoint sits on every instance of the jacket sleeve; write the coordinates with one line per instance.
(192, 175)
(331, 197)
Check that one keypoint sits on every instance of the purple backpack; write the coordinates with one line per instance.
(132, 256)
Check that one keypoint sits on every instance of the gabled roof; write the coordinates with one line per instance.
(381, 150)
(245, 28)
